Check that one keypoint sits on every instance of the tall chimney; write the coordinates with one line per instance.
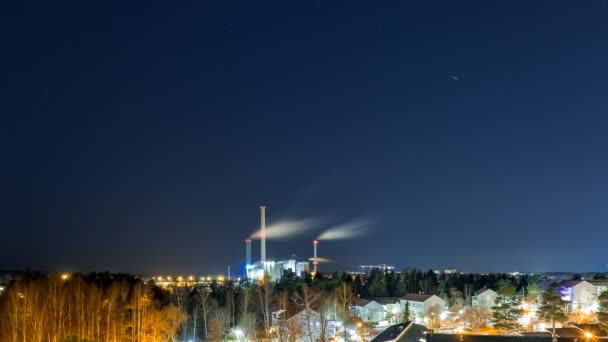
(248, 251)
(315, 262)
(263, 232)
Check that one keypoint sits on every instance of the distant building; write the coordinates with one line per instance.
(383, 267)
(276, 269)
(484, 299)
(298, 267)
(446, 271)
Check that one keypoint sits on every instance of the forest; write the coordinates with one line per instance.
(120, 307)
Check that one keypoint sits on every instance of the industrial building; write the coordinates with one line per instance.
(270, 269)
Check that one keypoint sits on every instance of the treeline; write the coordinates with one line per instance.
(93, 307)
(454, 288)
(117, 307)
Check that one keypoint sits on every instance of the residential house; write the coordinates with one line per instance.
(422, 307)
(307, 324)
(484, 299)
(368, 310)
(391, 307)
(580, 295)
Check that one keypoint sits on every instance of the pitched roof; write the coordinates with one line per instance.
(360, 301)
(384, 300)
(481, 290)
(414, 297)
(598, 282)
(304, 313)
(569, 283)
(457, 307)
(402, 332)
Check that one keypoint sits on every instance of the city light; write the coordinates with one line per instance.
(65, 276)
(588, 335)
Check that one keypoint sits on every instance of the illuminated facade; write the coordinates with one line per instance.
(484, 299)
(275, 269)
(581, 295)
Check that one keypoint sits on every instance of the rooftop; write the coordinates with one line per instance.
(414, 297)
(402, 332)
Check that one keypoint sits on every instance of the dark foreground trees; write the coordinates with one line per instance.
(97, 307)
(552, 306)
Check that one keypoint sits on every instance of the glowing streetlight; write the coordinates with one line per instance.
(65, 276)
(588, 335)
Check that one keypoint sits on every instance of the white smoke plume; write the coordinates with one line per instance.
(286, 228)
(323, 260)
(348, 230)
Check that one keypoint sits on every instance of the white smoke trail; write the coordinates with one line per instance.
(324, 260)
(286, 228)
(348, 230)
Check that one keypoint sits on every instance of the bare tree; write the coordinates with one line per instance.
(344, 297)
(207, 305)
(266, 296)
(432, 316)
(309, 299)
(219, 324)
(246, 316)
(327, 311)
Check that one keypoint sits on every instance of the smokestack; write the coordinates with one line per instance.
(248, 251)
(263, 232)
(314, 259)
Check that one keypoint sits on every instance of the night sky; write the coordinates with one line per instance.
(143, 137)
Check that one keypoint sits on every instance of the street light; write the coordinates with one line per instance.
(588, 335)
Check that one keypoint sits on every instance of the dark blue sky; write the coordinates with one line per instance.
(144, 136)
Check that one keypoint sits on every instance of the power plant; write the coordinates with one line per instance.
(264, 269)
